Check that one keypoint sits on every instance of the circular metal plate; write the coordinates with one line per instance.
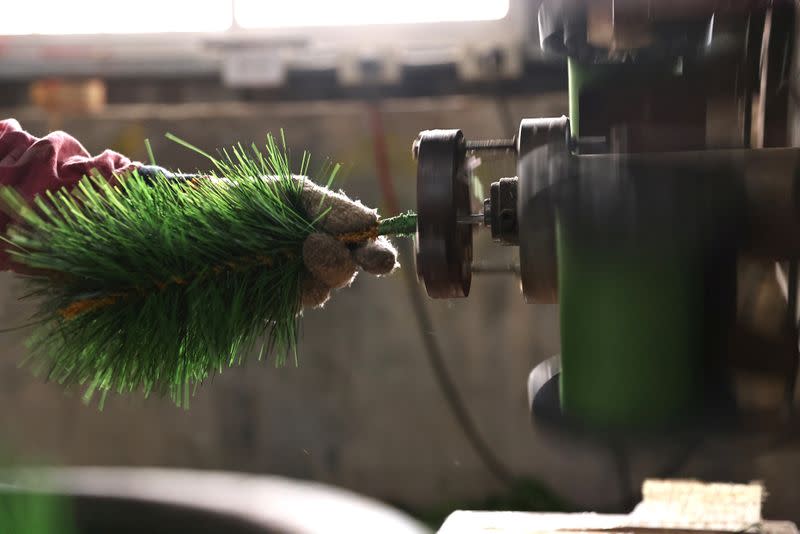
(444, 247)
(543, 153)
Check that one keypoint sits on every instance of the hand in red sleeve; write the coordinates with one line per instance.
(33, 166)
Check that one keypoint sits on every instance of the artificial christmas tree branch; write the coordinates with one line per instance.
(154, 283)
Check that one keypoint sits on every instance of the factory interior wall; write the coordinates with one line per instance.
(361, 409)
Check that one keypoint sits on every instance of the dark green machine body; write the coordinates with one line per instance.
(630, 337)
(646, 277)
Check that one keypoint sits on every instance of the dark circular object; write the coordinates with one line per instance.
(543, 157)
(444, 247)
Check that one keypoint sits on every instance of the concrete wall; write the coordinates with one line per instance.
(362, 409)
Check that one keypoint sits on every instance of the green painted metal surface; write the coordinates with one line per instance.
(631, 331)
(634, 325)
(574, 80)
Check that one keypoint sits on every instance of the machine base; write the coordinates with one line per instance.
(718, 413)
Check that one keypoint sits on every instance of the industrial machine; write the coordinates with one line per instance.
(639, 212)
(662, 216)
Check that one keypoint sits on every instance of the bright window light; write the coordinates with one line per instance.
(298, 13)
(60, 17)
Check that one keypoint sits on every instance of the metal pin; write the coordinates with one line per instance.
(475, 218)
(497, 268)
(492, 145)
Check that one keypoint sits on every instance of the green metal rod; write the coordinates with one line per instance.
(404, 224)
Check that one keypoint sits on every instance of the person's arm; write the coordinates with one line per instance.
(34, 165)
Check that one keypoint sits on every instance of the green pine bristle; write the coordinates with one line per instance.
(183, 279)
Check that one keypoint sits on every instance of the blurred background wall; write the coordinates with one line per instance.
(361, 409)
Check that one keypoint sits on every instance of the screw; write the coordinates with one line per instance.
(492, 145)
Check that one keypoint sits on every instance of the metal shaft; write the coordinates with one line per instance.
(492, 145)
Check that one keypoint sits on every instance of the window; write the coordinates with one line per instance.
(297, 13)
(59, 17)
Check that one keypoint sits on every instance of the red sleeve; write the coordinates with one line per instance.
(34, 165)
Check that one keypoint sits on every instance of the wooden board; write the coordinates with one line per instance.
(667, 506)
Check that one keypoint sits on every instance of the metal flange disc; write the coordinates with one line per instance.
(542, 161)
(444, 247)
